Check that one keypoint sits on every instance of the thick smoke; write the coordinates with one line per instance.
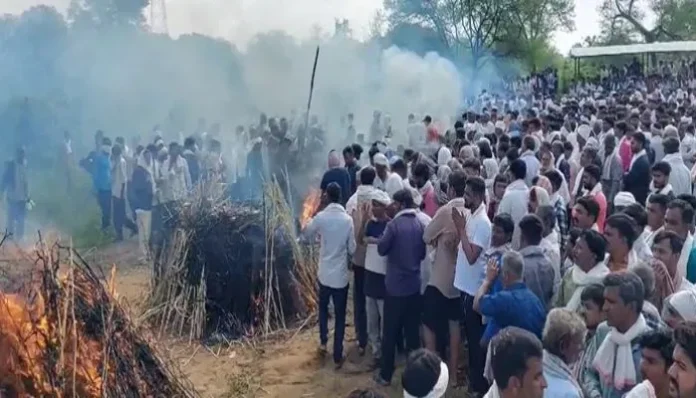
(55, 77)
(352, 77)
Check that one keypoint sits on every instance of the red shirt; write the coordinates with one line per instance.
(625, 154)
(602, 202)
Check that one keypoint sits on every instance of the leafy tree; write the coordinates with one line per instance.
(467, 28)
(108, 13)
(626, 19)
(475, 31)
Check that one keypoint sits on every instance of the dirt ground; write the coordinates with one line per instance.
(286, 365)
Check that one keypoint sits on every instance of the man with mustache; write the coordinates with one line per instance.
(682, 373)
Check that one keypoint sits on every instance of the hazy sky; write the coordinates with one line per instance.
(238, 20)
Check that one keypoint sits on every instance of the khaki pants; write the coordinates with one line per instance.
(144, 220)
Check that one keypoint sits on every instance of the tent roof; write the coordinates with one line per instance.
(662, 47)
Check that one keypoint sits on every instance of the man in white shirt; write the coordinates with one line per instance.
(335, 228)
(516, 197)
(474, 232)
(387, 181)
(528, 155)
(679, 176)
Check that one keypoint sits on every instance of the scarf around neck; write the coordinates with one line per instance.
(555, 367)
(581, 279)
(642, 390)
(614, 358)
(440, 387)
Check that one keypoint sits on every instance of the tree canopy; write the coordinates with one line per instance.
(476, 31)
(648, 21)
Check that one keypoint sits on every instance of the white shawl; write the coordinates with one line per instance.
(582, 279)
(440, 387)
(642, 390)
(614, 358)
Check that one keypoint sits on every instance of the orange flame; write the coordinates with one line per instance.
(310, 206)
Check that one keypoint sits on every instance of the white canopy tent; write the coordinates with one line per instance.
(645, 48)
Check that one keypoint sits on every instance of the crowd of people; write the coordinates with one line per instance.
(554, 240)
(550, 235)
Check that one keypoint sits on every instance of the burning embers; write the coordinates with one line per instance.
(310, 206)
(66, 336)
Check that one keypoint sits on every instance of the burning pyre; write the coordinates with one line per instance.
(66, 336)
(310, 206)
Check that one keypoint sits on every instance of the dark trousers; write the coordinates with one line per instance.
(16, 213)
(340, 302)
(399, 313)
(104, 200)
(120, 218)
(473, 329)
(359, 306)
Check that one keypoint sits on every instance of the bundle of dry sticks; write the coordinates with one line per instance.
(64, 335)
(235, 269)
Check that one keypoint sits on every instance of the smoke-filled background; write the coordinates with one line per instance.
(83, 65)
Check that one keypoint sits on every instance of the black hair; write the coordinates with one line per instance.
(500, 178)
(518, 168)
(662, 167)
(555, 178)
(659, 340)
(189, 142)
(640, 138)
(333, 192)
(625, 225)
(590, 205)
(457, 181)
(421, 373)
(685, 337)
(659, 199)
(367, 175)
(421, 170)
(404, 198)
(511, 350)
(477, 185)
(568, 146)
(637, 213)
(485, 150)
(532, 229)
(512, 154)
(372, 152)
(631, 289)
(348, 151)
(505, 222)
(357, 150)
(594, 171)
(399, 165)
(593, 292)
(596, 243)
(676, 243)
(687, 212)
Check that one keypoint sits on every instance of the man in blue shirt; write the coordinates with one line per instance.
(403, 246)
(515, 305)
